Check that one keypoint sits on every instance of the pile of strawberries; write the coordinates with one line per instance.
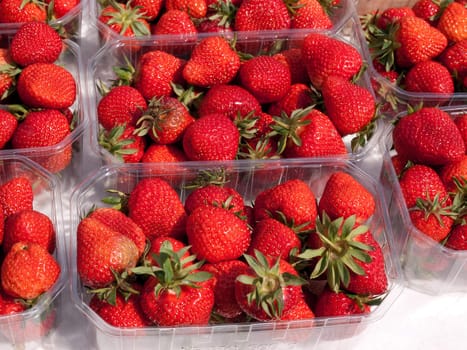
(155, 260)
(181, 17)
(22, 11)
(431, 164)
(215, 102)
(36, 93)
(421, 48)
(27, 236)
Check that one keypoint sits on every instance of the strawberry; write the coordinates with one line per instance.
(428, 136)
(293, 199)
(270, 289)
(167, 215)
(455, 59)
(212, 137)
(118, 221)
(231, 100)
(344, 196)
(10, 305)
(195, 8)
(8, 124)
(156, 70)
(457, 238)
(29, 226)
(159, 242)
(163, 153)
(149, 8)
(349, 118)
(35, 42)
(254, 15)
(453, 22)
(310, 15)
(16, 195)
(165, 120)
(299, 311)
(331, 304)
(393, 15)
(216, 234)
(265, 78)
(299, 96)
(122, 105)
(461, 123)
(225, 273)
(60, 8)
(174, 22)
(212, 62)
(20, 11)
(28, 271)
(426, 9)
(324, 56)
(123, 143)
(399, 164)
(432, 218)
(215, 195)
(124, 19)
(8, 71)
(292, 58)
(46, 85)
(429, 76)
(273, 238)
(454, 171)
(102, 252)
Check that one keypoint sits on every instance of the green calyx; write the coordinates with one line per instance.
(152, 117)
(340, 251)
(218, 177)
(127, 17)
(437, 207)
(268, 283)
(112, 142)
(260, 150)
(117, 199)
(224, 12)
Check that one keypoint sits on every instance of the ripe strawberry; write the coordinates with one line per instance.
(159, 243)
(400, 164)
(299, 96)
(324, 56)
(427, 9)
(344, 196)
(429, 76)
(165, 120)
(461, 123)
(392, 15)
(174, 22)
(428, 136)
(265, 78)
(216, 234)
(457, 239)
(231, 100)
(212, 137)
(60, 8)
(454, 171)
(122, 105)
(225, 273)
(310, 15)
(35, 42)
(118, 221)
(293, 198)
(123, 143)
(274, 239)
(270, 289)
(212, 62)
(195, 8)
(348, 118)
(10, 305)
(8, 71)
(455, 59)
(163, 153)
(46, 85)
(432, 218)
(331, 304)
(215, 195)
(254, 15)
(453, 22)
(29, 226)
(16, 195)
(28, 271)
(124, 19)
(149, 8)
(155, 207)
(102, 252)
(214, 26)
(8, 124)
(292, 58)
(20, 11)
(156, 70)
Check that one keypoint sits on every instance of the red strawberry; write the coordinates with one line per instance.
(426, 9)
(29, 226)
(122, 105)
(159, 243)
(226, 197)
(10, 305)
(393, 15)
(299, 311)
(28, 271)
(344, 196)
(454, 171)
(293, 198)
(101, 252)
(348, 118)
(216, 234)
(432, 218)
(155, 206)
(124, 19)
(299, 96)
(265, 78)
(461, 123)
(457, 239)
(254, 15)
(324, 56)
(149, 8)
(20, 11)
(455, 59)
(60, 8)
(212, 62)
(195, 8)
(163, 153)
(330, 304)
(429, 76)
(123, 143)
(212, 137)
(292, 58)
(174, 22)
(156, 70)
(453, 22)
(46, 85)
(16, 195)
(8, 71)
(35, 42)
(399, 163)
(8, 124)
(310, 15)
(428, 136)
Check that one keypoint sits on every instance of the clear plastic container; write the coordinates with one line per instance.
(248, 178)
(428, 266)
(35, 327)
